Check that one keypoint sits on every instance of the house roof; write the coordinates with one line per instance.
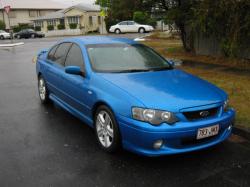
(33, 4)
(87, 7)
(54, 15)
(61, 13)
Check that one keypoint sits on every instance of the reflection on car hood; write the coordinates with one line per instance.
(170, 90)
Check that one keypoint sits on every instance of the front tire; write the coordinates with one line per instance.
(106, 129)
(43, 91)
(142, 30)
(117, 31)
(1, 37)
(33, 36)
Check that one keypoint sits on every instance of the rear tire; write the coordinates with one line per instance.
(18, 37)
(43, 90)
(33, 36)
(106, 130)
(1, 37)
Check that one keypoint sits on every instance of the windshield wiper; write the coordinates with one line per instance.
(160, 69)
(132, 70)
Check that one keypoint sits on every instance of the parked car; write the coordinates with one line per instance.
(130, 26)
(132, 96)
(4, 35)
(29, 33)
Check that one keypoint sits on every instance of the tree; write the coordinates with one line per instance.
(140, 17)
(2, 25)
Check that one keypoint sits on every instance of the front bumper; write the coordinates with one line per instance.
(139, 137)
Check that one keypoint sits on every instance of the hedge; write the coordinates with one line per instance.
(50, 27)
(61, 27)
(72, 25)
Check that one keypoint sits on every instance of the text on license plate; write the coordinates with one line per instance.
(208, 131)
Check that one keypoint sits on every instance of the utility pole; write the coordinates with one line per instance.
(7, 10)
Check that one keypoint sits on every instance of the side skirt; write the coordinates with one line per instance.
(71, 110)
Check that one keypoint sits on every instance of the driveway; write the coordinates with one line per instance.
(46, 146)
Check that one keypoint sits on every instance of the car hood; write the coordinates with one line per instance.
(170, 90)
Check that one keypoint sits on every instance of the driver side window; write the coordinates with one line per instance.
(75, 58)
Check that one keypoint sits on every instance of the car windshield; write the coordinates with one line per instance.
(118, 58)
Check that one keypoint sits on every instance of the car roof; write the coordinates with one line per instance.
(87, 40)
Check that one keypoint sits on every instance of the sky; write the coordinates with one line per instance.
(73, 2)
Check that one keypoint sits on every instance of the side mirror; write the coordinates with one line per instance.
(74, 70)
(175, 62)
(171, 62)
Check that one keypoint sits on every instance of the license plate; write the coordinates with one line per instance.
(208, 132)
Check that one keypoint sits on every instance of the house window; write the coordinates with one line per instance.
(52, 22)
(12, 14)
(42, 13)
(90, 20)
(33, 13)
(38, 23)
(99, 20)
(73, 19)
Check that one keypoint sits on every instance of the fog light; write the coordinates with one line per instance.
(158, 144)
(230, 127)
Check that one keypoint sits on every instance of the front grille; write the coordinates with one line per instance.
(201, 114)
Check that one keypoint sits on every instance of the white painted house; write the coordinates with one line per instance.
(23, 11)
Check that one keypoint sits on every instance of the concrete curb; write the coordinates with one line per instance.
(11, 45)
(142, 38)
(242, 131)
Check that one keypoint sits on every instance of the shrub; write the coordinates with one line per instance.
(151, 21)
(16, 29)
(2, 25)
(50, 27)
(37, 28)
(109, 21)
(72, 25)
(61, 27)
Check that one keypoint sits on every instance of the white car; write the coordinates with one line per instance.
(4, 35)
(130, 26)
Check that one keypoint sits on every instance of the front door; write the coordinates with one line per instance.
(76, 86)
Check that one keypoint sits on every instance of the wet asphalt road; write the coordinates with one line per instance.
(46, 146)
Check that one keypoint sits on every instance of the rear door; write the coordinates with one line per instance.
(76, 86)
(55, 69)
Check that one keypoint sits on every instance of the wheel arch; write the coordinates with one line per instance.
(142, 28)
(97, 105)
(39, 74)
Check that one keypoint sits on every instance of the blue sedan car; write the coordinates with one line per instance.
(133, 97)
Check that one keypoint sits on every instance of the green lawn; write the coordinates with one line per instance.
(233, 76)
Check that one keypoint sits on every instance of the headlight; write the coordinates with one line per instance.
(226, 105)
(154, 117)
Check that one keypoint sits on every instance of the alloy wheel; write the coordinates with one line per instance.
(104, 129)
(42, 89)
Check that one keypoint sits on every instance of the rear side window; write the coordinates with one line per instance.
(61, 53)
(74, 57)
(52, 53)
(131, 23)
